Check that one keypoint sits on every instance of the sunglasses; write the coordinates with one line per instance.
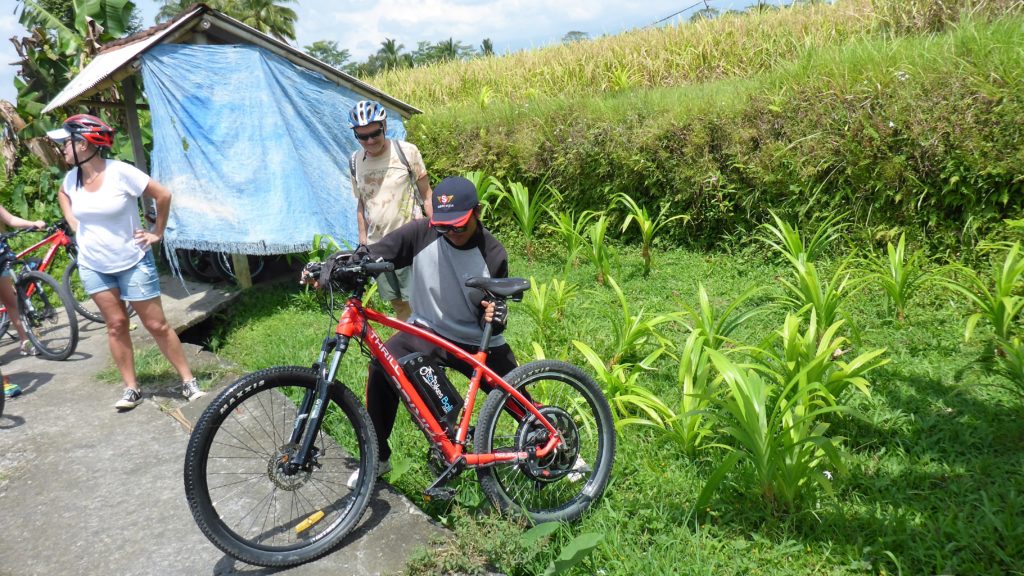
(365, 137)
(444, 229)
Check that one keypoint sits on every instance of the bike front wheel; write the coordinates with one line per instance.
(5, 322)
(46, 312)
(561, 486)
(241, 492)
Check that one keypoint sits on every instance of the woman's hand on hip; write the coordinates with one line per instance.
(145, 238)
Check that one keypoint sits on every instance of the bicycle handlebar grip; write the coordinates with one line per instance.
(378, 267)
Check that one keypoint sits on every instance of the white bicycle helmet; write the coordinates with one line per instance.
(366, 112)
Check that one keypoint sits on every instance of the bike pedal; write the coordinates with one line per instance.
(444, 494)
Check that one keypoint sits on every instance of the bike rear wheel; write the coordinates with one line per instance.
(560, 487)
(198, 265)
(226, 268)
(47, 315)
(240, 493)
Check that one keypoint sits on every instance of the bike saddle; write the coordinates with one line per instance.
(505, 287)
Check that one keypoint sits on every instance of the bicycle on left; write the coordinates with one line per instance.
(44, 305)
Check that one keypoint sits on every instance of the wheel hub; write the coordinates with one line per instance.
(532, 435)
(285, 476)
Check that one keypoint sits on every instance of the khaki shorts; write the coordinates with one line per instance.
(388, 292)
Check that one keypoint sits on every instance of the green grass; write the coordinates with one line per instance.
(153, 371)
(933, 483)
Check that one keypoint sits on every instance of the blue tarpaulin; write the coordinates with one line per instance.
(254, 149)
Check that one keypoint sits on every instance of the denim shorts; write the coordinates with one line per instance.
(388, 292)
(140, 282)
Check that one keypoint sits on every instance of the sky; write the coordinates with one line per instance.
(361, 26)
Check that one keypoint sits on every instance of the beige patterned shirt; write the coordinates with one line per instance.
(382, 183)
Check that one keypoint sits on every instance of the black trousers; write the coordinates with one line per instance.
(382, 399)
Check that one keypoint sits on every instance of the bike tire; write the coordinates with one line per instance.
(198, 265)
(47, 315)
(558, 489)
(73, 286)
(243, 502)
(226, 269)
(5, 323)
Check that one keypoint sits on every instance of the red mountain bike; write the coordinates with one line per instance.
(44, 306)
(267, 463)
(59, 236)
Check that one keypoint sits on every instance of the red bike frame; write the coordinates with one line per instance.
(58, 239)
(355, 323)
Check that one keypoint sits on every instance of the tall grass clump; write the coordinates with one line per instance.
(674, 55)
(842, 127)
(899, 275)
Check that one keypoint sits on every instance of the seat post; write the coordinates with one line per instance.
(485, 340)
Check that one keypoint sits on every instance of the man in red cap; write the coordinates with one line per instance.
(443, 252)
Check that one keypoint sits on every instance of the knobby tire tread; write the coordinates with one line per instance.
(220, 410)
(53, 310)
(583, 493)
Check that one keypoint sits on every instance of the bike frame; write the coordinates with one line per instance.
(355, 322)
(56, 240)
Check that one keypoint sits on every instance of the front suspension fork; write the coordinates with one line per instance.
(314, 402)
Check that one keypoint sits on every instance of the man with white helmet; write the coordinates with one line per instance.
(391, 187)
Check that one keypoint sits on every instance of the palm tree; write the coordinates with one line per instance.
(447, 50)
(390, 54)
(486, 47)
(172, 8)
(264, 15)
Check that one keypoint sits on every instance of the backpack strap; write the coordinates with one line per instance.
(412, 176)
(352, 163)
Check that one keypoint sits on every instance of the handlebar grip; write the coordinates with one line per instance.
(378, 267)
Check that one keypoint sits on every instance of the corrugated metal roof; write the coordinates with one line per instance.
(101, 72)
(110, 65)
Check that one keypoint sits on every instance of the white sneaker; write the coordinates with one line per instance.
(579, 469)
(130, 399)
(27, 348)
(382, 468)
(190, 390)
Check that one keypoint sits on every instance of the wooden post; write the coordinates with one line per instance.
(240, 266)
(132, 119)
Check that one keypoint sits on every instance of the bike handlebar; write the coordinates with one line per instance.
(340, 269)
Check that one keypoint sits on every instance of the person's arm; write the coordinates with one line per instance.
(423, 185)
(18, 222)
(399, 246)
(360, 221)
(65, 208)
(162, 197)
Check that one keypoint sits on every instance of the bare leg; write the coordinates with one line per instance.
(118, 338)
(402, 309)
(151, 312)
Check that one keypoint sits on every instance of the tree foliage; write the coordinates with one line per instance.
(327, 51)
(267, 16)
(57, 47)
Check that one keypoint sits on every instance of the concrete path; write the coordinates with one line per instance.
(85, 490)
